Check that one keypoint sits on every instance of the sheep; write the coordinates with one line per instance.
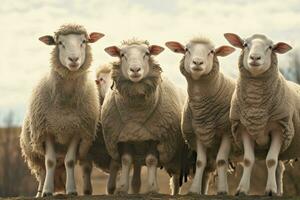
(103, 80)
(205, 119)
(264, 110)
(98, 153)
(63, 111)
(141, 115)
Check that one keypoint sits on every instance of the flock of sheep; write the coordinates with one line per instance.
(134, 116)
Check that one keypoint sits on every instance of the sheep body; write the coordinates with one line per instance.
(204, 115)
(255, 109)
(129, 124)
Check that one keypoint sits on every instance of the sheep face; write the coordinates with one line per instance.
(135, 59)
(103, 82)
(257, 51)
(72, 50)
(199, 56)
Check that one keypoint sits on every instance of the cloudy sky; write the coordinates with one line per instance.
(24, 59)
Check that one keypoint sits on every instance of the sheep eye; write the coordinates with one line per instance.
(187, 50)
(84, 41)
(101, 79)
(60, 43)
(245, 45)
(270, 47)
(122, 54)
(212, 52)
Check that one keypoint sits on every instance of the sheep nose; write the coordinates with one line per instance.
(73, 59)
(255, 57)
(135, 69)
(198, 62)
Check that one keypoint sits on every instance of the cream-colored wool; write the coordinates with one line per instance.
(147, 110)
(102, 69)
(266, 98)
(63, 104)
(207, 113)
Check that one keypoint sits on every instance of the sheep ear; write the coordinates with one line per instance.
(95, 36)
(281, 47)
(234, 40)
(155, 49)
(175, 47)
(113, 51)
(47, 39)
(224, 51)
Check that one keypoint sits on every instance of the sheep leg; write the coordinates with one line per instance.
(86, 167)
(279, 177)
(41, 179)
(272, 162)
(249, 159)
(113, 172)
(205, 182)
(175, 184)
(222, 165)
(50, 163)
(196, 186)
(70, 161)
(124, 177)
(136, 179)
(151, 163)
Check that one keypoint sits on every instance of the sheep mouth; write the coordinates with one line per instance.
(254, 64)
(73, 65)
(197, 69)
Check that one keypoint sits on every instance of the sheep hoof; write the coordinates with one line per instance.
(270, 193)
(47, 194)
(87, 192)
(121, 193)
(72, 194)
(193, 193)
(239, 193)
(223, 193)
(111, 190)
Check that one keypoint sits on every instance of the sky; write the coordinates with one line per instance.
(24, 59)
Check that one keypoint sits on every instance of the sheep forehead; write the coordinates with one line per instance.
(70, 29)
(259, 39)
(134, 49)
(200, 47)
(72, 38)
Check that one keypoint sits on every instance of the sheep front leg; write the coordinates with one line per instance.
(196, 186)
(272, 161)
(279, 177)
(50, 163)
(174, 182)
(222, 165)
(113, 172)
(249, 159)
(151, 163)
(86, 167)
(124, 177)
(70, 161)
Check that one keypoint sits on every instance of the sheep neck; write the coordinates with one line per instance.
(64, 91)
(139, 95)
(207, 85)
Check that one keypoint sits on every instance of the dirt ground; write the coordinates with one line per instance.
(156, 197)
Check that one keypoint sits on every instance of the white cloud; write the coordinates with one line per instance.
(23, 59)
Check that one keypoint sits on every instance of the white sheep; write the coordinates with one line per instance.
(63, 111)
(98, 153)
(264, 110)
(205, 122)
(141, 115)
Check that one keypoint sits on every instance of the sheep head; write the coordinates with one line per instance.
(199, 55)
(71, 42)
(257, 51)
(103, 79)
(135, 58)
